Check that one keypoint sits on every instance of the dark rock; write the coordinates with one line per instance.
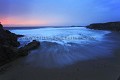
(20, 36)
(7, 53)
(9, 46)
(113, 26)
(23, 51)
(33, 45)
(8, 38)
(1, 26)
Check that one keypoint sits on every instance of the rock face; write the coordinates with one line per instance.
(23, 51)
(8, 38)
(9, 46)
(8, 42)
(113, 26)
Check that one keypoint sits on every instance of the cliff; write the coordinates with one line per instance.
(9, 46)
(113, 26)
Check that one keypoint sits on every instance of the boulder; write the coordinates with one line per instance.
(20, 36)
(23, 51)
(113, 26)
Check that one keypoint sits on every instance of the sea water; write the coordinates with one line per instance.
(65, 46)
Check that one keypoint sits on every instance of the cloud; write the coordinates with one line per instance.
(66, 12)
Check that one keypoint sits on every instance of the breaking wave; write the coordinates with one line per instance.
(65, 46)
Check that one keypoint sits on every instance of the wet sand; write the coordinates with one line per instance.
(101, 69)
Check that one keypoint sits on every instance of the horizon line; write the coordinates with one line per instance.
(13, 25)
(45, 26)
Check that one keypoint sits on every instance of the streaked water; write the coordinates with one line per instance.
(62, 35)
(65, 46)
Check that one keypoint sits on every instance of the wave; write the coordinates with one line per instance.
(65, 46)
(54, 55)
(62, 35)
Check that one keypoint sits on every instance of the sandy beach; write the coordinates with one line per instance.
(101, 69)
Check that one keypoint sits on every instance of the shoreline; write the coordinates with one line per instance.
(97, 69)
(101, 69)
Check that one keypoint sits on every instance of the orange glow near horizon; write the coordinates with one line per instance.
(21, 22)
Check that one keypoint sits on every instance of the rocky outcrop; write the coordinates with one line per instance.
(9, 46)
(23, 51)
(113, 26)
(8, 43)
(8, 38)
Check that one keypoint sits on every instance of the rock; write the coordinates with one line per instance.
(113, 26)
(8, 38)
(20, 36)
(7, 53)
(33, 45)
(1, 26)
(23, 51)
(9, 46)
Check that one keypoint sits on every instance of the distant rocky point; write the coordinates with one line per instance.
(112, 26)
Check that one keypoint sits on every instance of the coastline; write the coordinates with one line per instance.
(107, 68)
(97, 69)
(9, 46)
(112, 26)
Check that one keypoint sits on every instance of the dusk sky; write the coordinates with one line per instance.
(58, 12)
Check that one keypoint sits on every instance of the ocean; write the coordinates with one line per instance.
(65, 46)
(66, 53)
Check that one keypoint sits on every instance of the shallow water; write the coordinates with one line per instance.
(61, 47)
(77, 35)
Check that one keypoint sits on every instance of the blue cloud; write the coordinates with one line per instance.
(74, 12)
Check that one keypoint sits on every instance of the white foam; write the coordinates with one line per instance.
(52, 55)
(62, 35)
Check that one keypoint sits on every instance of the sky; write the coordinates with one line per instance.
(58, 12)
